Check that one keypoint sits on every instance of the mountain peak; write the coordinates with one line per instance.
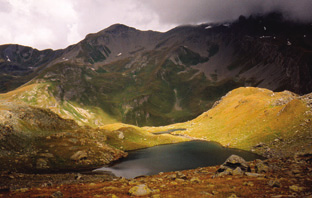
(113, 29)
(118, 28)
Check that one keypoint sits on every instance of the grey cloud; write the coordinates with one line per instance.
(5, 6)
(59, 23)
(197, 11)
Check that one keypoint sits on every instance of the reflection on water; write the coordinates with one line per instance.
(174, 157)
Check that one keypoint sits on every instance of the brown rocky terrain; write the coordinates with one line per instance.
(287, 177)
(38, 140)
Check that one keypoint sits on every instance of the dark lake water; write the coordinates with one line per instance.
(174, 157)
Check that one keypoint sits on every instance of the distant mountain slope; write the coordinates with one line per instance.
(152, 78)
(19, 64)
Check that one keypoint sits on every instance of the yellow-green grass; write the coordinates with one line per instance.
(136, 137)
(245, 117)
(242, 119)
(39, 95)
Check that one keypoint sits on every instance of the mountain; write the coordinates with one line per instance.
(19, 64)
(121, 74)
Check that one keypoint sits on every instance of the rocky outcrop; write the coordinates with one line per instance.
(38, 140)
(237, 166)
(234, 165)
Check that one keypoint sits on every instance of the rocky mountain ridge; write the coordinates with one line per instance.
(153, 78)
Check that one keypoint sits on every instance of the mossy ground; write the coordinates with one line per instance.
(136, 137)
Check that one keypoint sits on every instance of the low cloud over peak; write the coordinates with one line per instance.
(59, 23)
(184, 11)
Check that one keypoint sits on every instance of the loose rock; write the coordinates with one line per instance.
(42, 163)
(195, 180)
(79, 155)
(140, 190)
(274, 183)
(261, 167)
(296, 188)
(237, 171)
(57, 194)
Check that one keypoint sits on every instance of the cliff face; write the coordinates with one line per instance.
(152, 78)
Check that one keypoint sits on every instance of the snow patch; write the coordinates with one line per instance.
(265, 37)
(119, 54)
(208, 27)
(8, 59)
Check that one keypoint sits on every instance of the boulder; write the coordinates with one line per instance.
(233, 162)
(140, 190)
(42, 163)
(296, 188)
(227, 171)
(79, 155)
(195, 180)
(57, 194)
(254, 174)
(261, 167)
(274, 183)
(238, 171)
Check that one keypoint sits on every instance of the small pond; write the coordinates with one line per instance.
(174, 157)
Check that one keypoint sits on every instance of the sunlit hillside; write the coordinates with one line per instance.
(246, 117)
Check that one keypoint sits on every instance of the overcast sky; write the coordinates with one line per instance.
(58, 23)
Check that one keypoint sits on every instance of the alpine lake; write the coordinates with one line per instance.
(174, 157)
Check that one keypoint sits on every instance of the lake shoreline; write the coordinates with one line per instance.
(285, 177)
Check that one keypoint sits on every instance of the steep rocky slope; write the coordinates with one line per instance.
(34, 139)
